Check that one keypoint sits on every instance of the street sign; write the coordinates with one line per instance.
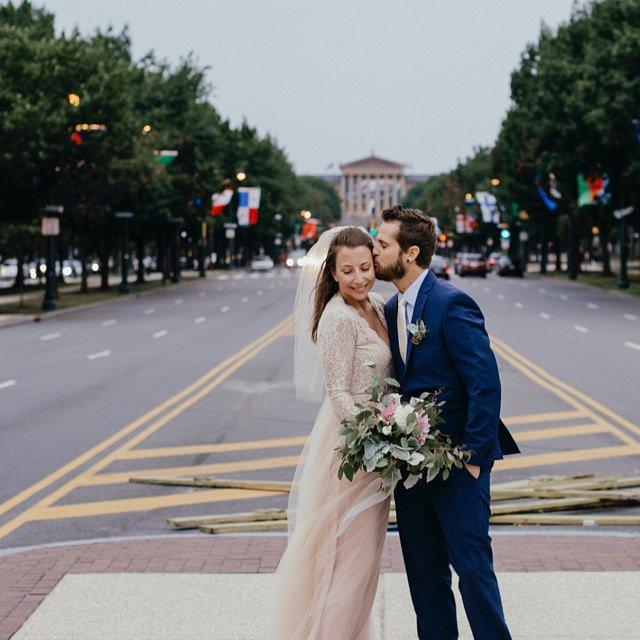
(618, 214)
(50, 226)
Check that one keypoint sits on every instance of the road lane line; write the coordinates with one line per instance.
(99, 354)
(160, 334)
(199, 320)
(563, 296)
(224, 309)
(519, 305)
(560, 457)
(632, 345)
(561, 432)
(119, 477)
(551, 416)
(245, 299)
(560, 388)
(78, 461)
(8, 383)
(223, 447)
(592, 305)
(630, 316)
(128, 505)
(580, 328)
(542, 290)
(50, 336)
(148, 312)
(501, 296)
(109, 323)
(545, 316)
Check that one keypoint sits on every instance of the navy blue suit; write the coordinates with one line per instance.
(443, 523)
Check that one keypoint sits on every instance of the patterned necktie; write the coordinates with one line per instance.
(402, 329)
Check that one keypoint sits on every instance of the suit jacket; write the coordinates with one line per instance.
(454, 357)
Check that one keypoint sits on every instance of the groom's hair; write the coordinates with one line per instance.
(416, 229)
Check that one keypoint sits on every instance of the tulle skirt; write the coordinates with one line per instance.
(327, 579)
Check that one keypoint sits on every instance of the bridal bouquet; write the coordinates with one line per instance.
(389, 436)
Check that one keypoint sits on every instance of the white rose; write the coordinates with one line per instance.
(416, 458)
(401, 414)
(386, 430)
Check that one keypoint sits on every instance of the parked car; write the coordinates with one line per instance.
(296, 258)
(8, 269)
(472, 264)
(507, 267)
(440, 267)
(492, 261)
(261, 263)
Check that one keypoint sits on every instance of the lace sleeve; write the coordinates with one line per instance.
(337, 340)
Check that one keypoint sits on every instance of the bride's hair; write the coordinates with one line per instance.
(326, 286)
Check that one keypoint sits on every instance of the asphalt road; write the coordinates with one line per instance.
(197, 379)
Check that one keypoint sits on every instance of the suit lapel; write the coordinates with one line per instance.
(392, 328)
(421, 301)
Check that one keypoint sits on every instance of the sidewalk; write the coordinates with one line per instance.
(555, 584)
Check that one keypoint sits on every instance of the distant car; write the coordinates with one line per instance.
(440, 267)
(296, 258)
(492, 261)
(8, 269)
(261, 263)
(472, 264)
(506, 267)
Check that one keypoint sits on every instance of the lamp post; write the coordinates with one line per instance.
(620, 215)
(50, 229)
(125, 216)
(175, 275)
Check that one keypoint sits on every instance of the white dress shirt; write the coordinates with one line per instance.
(411, 293)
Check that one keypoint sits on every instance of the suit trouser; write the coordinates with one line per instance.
(443, 523)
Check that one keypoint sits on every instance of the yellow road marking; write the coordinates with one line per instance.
(228, 367)
(196, 470)
(557, 457)
(187, 450)
(553, 388)
(561, 432)
(109, 507)
(588, 400)
(533, 418)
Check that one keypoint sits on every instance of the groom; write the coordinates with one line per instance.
(443, 523)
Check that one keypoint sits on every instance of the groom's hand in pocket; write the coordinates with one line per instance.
(473, 469)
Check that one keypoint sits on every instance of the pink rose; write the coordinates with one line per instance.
(422, 420)
(388, 410)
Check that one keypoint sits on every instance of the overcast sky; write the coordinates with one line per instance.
(418, 81)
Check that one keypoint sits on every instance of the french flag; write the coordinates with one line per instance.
(248, 205)
(219, 201)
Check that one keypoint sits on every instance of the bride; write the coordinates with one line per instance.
(328, 576)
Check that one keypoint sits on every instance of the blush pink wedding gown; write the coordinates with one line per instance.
(327, 579)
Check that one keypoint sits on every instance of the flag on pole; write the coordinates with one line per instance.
(549, 202)
(219, 201)
(585, 196)
(489, 207)
(248, 205)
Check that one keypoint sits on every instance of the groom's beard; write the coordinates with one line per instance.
(395, 272)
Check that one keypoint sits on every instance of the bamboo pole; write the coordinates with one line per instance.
(258, 515)
(586, 520)
(216, 483)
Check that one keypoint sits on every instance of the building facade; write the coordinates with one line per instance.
(368, 186)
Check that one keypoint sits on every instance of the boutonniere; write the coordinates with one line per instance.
(418, 331)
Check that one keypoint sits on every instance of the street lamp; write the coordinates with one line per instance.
(241, 175)
(146, 129)
(125, 216)
(50, 229)
(74, 99)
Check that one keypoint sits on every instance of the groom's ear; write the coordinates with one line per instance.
(412, 253)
